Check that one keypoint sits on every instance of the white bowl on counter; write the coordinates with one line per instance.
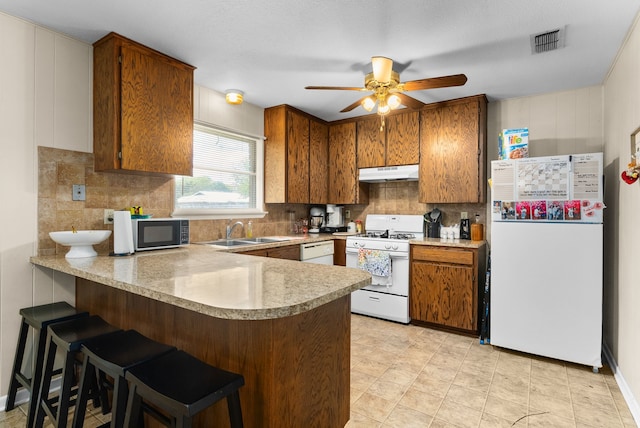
(80, 241)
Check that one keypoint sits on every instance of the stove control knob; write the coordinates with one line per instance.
(394, 246)
(387, 246)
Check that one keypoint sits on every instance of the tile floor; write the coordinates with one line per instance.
(408, 376)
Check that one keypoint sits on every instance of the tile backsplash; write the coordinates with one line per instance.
(60, 169)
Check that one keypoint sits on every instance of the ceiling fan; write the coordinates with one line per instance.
(388, 91)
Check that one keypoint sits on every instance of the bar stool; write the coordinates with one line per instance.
(182, 386)
(113, 355)
(69, 336)
(38, 318)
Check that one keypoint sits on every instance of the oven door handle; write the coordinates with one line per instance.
(393, 255)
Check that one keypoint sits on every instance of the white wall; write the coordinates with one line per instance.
(46, 100)
(622, 252)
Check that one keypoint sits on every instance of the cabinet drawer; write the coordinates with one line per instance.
(457, 256)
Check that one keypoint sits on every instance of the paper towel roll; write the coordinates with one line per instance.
(122, 233)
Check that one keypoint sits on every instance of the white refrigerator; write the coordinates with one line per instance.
(546, 257)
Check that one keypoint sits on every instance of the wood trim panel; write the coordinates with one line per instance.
(296, 369)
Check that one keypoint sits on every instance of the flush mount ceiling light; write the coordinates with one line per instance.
(233, 96)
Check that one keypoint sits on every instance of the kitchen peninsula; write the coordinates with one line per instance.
(284, 325)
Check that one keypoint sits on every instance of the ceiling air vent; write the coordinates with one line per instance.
(547, 41)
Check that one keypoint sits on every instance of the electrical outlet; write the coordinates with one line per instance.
(108, 216)
(347, 214)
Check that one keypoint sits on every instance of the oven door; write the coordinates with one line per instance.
(397, 283)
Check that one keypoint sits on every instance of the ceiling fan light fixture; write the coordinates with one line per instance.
(382, 68)
(393, 101)
(383, 108)
(234, 96)
(368, 103)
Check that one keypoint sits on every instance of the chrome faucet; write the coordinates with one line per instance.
(231, 227)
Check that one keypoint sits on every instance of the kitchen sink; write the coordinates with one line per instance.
(261, 240)
(226, 242)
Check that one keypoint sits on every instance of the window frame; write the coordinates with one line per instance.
(217, 214)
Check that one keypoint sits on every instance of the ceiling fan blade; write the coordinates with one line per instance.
(435, 82)
(354, 105)
(410, 101)
(382, 68)
(337, 88)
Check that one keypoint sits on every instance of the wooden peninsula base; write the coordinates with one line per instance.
(296, 368)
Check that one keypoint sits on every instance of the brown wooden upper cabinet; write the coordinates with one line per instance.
(142, 109)
(344, 187)
(453, 144)
(296, 157)
(398, 143)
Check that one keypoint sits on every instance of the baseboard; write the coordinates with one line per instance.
(622, 384)
(23, 396)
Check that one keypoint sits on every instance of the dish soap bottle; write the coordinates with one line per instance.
(249, 230)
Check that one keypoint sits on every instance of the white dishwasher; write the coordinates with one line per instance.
(317, 252)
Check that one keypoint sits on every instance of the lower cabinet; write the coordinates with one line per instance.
(445, 286)
(290, 252)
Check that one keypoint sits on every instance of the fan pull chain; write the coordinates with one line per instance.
(381, 123)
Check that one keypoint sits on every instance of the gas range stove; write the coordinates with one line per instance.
(388, 296)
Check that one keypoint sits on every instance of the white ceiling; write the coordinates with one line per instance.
(273, 49)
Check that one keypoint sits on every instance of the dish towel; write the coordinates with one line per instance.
(375, 262)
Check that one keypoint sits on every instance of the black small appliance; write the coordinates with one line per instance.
(432, 223)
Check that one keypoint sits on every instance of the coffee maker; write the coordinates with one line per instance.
(334, 220)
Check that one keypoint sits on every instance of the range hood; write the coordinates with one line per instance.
(389, 173)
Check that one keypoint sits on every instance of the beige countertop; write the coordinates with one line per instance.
(217, 283)
(459, 243)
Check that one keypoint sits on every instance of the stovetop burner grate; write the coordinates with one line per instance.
(387, 235)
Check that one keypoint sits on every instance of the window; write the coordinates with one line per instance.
(227, 176)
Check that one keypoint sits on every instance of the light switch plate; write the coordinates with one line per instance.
(79, 193)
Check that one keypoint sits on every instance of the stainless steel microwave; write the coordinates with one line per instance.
(157, 233)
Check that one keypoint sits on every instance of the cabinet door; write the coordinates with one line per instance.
(452, 153)
(370, 143)
(156, 113)
(443, 294)
(297, 158)
(290, 252)
(344, 187)
(318, 163)
(403, 139)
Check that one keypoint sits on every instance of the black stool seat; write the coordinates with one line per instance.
(68, 336)
(38, 318)
(182, 386)
(113, 355)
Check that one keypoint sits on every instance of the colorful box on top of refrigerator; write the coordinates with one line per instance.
(513, 143)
